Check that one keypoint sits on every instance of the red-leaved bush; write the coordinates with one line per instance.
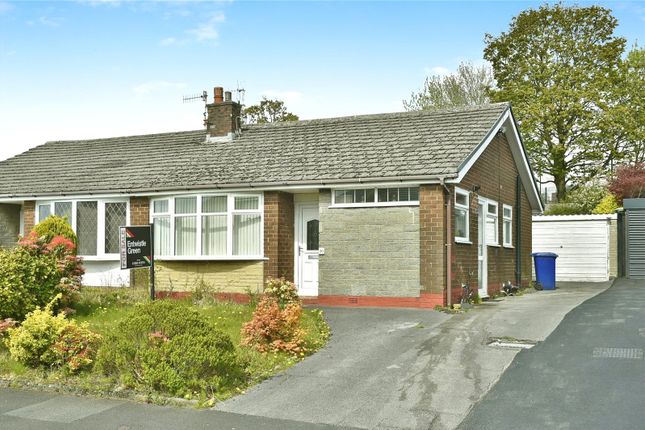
(275, 329)
(76, 347)
(6, 324)
(629, 182)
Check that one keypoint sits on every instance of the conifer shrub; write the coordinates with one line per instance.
(169, 347)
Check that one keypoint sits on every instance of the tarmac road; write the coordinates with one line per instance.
(588, 374)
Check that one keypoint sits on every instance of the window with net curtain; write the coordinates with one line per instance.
(215, 220)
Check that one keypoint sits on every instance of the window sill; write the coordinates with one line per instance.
(463, 241)
(207, 258)
(114, 257)
(494, 245)
(509, 246)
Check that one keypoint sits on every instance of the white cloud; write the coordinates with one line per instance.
(290, 98)
(207, 31)
(170, 41)
(156, 86)
(47, 21)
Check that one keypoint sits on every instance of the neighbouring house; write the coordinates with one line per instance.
(377, 210)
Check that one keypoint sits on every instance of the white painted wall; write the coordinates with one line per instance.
(105, 274)
(581, 241)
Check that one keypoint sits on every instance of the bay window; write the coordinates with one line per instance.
(203, 226)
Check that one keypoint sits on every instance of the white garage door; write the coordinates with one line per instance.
(581, 242)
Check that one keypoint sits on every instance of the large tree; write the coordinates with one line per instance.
(268, 111)
(560, 66)
(628, 119)
(467, 87)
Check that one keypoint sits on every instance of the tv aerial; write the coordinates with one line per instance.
(203, 97)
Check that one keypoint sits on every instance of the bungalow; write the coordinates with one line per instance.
(395, 209)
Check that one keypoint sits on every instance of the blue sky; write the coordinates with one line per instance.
(83, 69)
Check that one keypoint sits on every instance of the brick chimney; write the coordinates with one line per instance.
(223, 116)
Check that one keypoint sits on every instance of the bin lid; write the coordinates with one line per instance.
(545, 254)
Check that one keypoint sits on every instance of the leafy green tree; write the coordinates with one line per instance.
(560, 66)
(627, 121)
(467, 87)
(268, 111)
(581, 201)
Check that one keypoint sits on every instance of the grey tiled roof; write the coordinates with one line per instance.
(401, 145)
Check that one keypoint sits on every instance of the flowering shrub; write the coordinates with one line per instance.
(283, 291)
(32, 273)
(170, 347)
(49, 340)
(54, 226)
(275, 329)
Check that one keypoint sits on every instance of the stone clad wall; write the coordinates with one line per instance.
(369, 251)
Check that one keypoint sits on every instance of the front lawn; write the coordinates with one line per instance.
(103, 309)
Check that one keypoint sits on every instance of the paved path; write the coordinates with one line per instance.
(31, 410)
(589, 374)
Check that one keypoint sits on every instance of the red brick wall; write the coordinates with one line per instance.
(223, 118)
(139, 210)
(495, 173)
(432, 225)
(278, 235)
(29, 215)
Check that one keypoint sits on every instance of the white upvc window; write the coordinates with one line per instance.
(507, 229)
(492, 223)
(462, 216)
(381, 196)
(208, 226)
(96, 223)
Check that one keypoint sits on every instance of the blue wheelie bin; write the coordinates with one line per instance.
(545, 269)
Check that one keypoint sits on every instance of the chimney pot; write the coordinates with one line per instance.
(219, 94)
(227, 96)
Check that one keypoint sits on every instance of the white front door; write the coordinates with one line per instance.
(482, 250)
(307, 254)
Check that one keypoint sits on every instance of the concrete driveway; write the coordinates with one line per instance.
(408, 369)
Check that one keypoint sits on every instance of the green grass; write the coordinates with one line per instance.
(102, 309)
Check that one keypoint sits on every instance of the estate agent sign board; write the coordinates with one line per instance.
(136, 249)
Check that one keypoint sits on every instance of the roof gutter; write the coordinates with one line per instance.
(242, 185)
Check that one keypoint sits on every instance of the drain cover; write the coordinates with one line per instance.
(628, 353)
(511, 343)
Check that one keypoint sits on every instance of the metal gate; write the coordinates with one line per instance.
(635, 237)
